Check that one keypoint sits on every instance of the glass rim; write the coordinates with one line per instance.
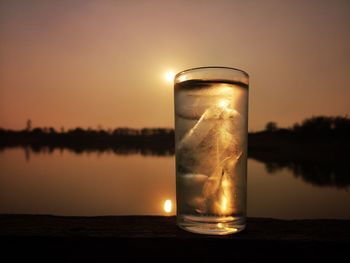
(211, 67)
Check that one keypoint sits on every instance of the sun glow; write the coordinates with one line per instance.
(167, 206)
(169, 76)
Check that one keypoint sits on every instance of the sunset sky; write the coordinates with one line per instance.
(90, 63)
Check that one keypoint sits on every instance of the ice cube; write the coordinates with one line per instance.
(216, 136)
(212, 148)
(217, 190)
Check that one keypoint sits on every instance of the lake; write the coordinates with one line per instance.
(63, 182)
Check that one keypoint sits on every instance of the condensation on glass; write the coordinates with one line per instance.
(211, 127)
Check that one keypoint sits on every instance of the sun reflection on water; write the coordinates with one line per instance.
(167, 206)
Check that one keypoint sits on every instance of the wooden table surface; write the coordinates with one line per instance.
(99, 239)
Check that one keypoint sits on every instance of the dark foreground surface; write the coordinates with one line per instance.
(99, 239)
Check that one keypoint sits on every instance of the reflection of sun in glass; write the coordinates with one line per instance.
(223, 103)
(224, 204)
(167, 206)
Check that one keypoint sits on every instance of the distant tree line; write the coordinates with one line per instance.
(314, 131)
(319, 126)
(147, 141)
(324, 126)
(319, 133)
(316, 125)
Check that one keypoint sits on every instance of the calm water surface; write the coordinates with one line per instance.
(67, 183)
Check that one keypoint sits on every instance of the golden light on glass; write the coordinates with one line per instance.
(223, 103)
(167, 207)
(224, 204)
(182, 78)
(224, 90)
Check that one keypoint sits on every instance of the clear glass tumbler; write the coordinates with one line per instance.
(211, 128)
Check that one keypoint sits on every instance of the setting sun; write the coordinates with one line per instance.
(169, 76)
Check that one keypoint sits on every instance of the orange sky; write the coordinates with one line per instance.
(90, 63)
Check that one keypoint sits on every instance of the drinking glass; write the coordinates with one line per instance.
(211, 127)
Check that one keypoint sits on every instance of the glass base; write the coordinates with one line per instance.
(211, 225)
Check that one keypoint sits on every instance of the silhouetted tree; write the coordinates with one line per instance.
(271, 126)
(52, 130)
(147, 131)
(324, 126)
(37, 131)
(29, 125)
